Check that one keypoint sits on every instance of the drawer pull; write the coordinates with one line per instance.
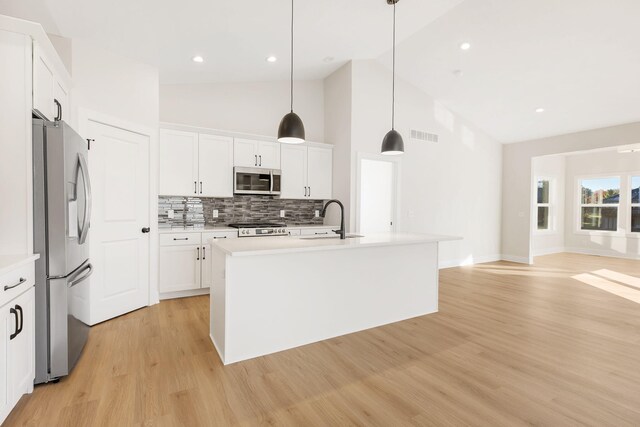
(182, 238)
(22, 280)
(220, 237)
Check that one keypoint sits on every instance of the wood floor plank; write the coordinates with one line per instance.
(511, 345)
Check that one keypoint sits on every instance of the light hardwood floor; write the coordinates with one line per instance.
(512, 345)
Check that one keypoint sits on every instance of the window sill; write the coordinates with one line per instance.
(617, 234)
(545, 233)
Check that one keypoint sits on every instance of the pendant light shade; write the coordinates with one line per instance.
(392, 144)
(291, 129)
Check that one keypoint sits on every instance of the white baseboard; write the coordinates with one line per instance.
(466, 261)
(549, 251)
(184, 294)
(514, 258)
(600, 252)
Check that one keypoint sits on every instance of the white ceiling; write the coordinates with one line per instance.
(578, 59)
(233, 36)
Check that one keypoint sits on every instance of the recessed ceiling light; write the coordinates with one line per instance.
(465, 46)
(540, 110)
(271, 59)
(457, 73)
(328, 59)
(198, 59)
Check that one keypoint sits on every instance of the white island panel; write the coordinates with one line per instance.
(285, 295)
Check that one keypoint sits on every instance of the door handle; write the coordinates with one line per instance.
(145, 229)
(305, 191)
(195, 187)
(198, 258)
(200, 187)
(22, 280)
(260, 163)
(75, 278)
(309, 191)
(15, 334)
(256, 162)
(204, 253)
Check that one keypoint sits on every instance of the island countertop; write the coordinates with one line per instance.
(278, 245)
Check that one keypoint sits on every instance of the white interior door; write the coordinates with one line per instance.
(119, 170)
(377, 198)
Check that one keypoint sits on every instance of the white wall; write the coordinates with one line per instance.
(452, 187)
(552, 240)
(337, 122)
(255, 108)
(517, 172)
(113, 85)
(610, 163)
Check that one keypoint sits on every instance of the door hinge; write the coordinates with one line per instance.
(89, 141)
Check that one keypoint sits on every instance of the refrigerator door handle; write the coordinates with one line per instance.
(88, 198)
(74, 280)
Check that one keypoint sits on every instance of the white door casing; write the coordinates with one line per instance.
(119, 171)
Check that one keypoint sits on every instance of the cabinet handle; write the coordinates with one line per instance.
(15, 334)
(260, 163)
(198, 258)
(200, 187)
(256, 162)
(195, 187)
(305, 191)
(220, 237)
(182, 238)
(309, 191)
(204, 253)
(18, 308)
(22, 280)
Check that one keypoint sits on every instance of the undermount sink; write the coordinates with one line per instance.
(329, 236)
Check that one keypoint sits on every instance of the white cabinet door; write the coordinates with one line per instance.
(179, 268)
(206, 275)
(319, 173)
(178, 163)
(7, 327)
(43, 84)
(245, 152)
(215, 166)
(21, 348)
(294, 172)
(269, 155)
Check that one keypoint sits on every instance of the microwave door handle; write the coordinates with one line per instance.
(271, 182)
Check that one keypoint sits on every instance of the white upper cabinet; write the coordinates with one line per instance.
(294, 172)
(215, 166)
(254, 153)
(50, 93)
(178, 163)
(319, 172)
(306, 172)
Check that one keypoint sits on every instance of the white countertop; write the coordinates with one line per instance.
(208, 228)
(283, 244)
(11, 262)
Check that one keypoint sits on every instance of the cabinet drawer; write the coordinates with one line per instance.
(293, 231)
(207, 237)
(22, 276)
(179, 239)
(317, 231)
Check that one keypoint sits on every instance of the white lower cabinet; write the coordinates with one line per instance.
(185, 260)
(17, 341)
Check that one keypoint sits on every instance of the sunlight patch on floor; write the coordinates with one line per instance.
(609, 286)
(619, 277)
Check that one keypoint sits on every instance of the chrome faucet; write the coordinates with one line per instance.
(341, 232)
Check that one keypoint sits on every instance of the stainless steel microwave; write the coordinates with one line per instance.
(256, 181)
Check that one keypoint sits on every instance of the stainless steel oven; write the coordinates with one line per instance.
(256, 181)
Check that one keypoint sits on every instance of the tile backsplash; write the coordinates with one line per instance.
(196, 212)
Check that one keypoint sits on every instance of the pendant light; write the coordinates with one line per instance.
(291, 129)
(392, 143)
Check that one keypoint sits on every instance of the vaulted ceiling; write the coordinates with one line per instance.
(579, 60)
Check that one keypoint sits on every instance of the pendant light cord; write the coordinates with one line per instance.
(292, 56)
(393, 79)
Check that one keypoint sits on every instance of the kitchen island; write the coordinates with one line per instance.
(274, 293)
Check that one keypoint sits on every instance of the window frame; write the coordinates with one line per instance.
(631, 205)
(551, 229)
(620, 231)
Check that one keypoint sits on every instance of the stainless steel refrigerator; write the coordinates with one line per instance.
(62, 212)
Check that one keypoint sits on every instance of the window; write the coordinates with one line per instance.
(635, 204)
(543, 204)
(600, 198)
